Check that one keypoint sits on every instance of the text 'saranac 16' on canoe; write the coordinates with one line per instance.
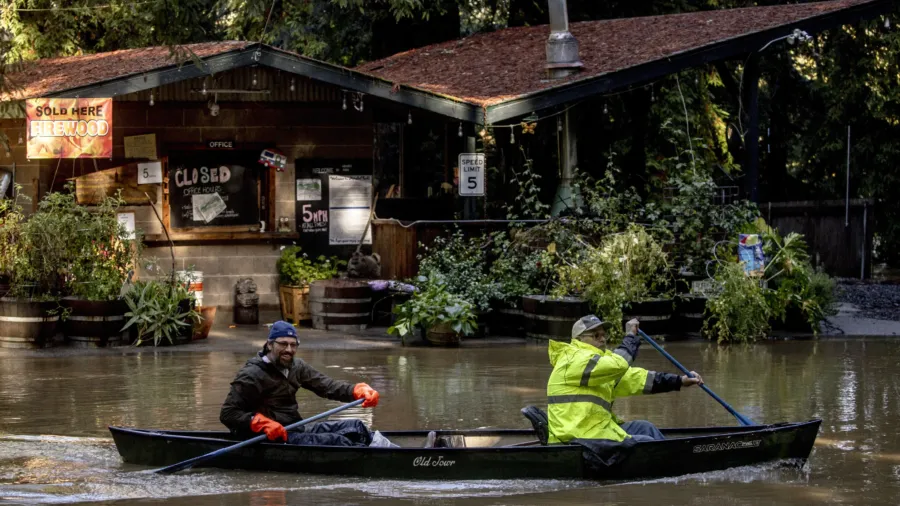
(487, 453)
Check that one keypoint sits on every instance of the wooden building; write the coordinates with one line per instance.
(347, 134)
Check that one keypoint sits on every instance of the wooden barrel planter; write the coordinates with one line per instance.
(655, 315)
(340, 304)
(507, 321)
(552, 317)
(94, 324)
(27, 324)
(294, 303)
(690, 312)
(442, 335)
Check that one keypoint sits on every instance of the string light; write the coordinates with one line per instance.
(605, 109)
(652, 95)
(558, 124)
(344, 102)
(409, 119)
(20, 138)
(254, 79)
(292, 85)
(203, 91)
(151, 99)
(483, 132)
(512, 135)
(460, 129)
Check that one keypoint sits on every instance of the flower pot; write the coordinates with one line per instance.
(294, 303)
(654, 315)
(442, 335)
(207, 318)
(552, 317)
(94, 324)
(27, 324)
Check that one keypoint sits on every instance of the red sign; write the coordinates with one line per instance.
(69, 127)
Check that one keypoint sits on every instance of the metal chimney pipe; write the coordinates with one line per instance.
(562, 46)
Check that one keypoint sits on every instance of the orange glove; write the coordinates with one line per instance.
(274, 430)
(363, 391)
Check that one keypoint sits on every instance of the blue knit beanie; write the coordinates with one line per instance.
(282, 329)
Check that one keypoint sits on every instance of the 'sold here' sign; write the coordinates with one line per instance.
(69, 127)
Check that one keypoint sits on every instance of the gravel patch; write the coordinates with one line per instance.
(880, 301)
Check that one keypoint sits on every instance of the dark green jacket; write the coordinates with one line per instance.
(260, 387)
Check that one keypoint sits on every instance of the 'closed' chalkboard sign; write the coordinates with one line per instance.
(214, 188)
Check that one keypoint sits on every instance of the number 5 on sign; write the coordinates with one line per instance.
(150, 172)
(471, 174)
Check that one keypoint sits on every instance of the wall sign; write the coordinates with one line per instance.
(127, 221)
(149, 173)
(69, 127)
(220, 144)
(141, 146)
(471, 174)
(214, 188)
(331, 194)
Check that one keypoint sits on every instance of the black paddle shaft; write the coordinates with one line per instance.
(187, 464)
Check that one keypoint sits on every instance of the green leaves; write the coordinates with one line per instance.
(159, 310)
(432, 304)
(296, 269)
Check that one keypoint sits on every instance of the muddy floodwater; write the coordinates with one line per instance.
(55, 448)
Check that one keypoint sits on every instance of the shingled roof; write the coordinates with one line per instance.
(486, 77)
(492, 68)
(51, 75)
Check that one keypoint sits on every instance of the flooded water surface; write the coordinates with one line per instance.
(55, 447)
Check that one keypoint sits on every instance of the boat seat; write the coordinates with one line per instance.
(455, 441)
(538, 419)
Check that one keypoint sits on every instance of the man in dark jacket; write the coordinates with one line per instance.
(263, 397)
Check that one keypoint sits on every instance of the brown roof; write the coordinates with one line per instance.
(490, 68)
(42, 77)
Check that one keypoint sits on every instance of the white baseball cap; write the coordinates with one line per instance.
(586, 323)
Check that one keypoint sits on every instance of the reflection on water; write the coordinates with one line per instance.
(55, 448)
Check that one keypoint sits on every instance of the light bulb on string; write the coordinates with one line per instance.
(460, 129)
(512, 135)
(151, 99)
(652, 95)
(558, 124)
(293, 87)
(605, 109)
(20, 138)
(483, 132)
(344, 103)
(203, 91)
(409, 119)
(253, 82)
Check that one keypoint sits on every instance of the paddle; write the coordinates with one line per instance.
(187, 464)
(741, 418)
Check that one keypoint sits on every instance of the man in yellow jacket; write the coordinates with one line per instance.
(587, 378)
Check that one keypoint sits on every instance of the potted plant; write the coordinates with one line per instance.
(517, 271)
(107, 256)
(46, 246)
(626, 269)
(295, 273)
(160, 312)
(445, 317)
(11, 219)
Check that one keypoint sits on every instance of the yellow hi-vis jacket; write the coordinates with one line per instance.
(586, 381)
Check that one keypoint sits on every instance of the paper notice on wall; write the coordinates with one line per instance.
(207, 206)
(309, 189)
(349, 203)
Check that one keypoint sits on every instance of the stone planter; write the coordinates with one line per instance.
(94, 324)
(27, 324)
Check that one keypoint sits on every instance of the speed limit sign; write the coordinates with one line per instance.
(471, 174)
(150, 172)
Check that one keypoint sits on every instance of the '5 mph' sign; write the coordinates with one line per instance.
(471, 174)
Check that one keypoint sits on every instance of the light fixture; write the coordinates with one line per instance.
(512, 135)
(344, 102)
(203, 91)
(214, 106)
(483, 132)
(409, 119)
(460, 129)
(652, 95)
(20, 138)
(292, 85)
(558, 124)
(151, 99)
(605, 109)
(253, 82)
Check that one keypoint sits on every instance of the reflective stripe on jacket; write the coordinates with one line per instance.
(586, 381)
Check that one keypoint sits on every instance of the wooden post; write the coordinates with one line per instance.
(751, 138)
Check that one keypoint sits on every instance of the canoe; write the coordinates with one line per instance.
(484, 453)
